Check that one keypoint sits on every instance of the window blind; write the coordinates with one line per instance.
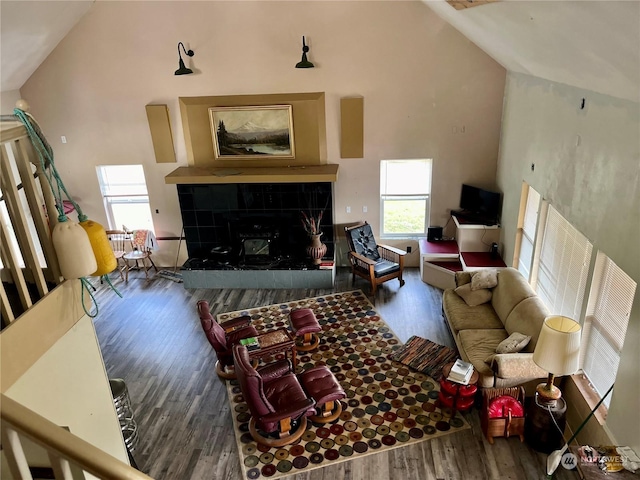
(606, 324)
(563, 267)
(531, 214)
(405, 177)
(528, 232)
(117, 180)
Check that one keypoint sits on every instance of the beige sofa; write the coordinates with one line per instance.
(514, 307)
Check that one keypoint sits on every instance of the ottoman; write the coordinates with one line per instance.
(305, 326)
(323, 387)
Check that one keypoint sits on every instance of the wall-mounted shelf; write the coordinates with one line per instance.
(293, 174)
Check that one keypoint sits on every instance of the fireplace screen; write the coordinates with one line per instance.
(256, 246)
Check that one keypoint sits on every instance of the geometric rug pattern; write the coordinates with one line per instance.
(387, 406)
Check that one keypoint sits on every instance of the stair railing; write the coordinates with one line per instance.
(26, 238)
(30, 265)
(63, 448)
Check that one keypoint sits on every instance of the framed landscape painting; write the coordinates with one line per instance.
(252, 132)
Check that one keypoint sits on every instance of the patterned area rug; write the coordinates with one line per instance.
(387, 405)
(425, 356)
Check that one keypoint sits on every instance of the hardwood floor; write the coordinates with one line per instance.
(153, 340)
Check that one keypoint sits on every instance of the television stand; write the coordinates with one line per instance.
(473, 218)
(475, 237)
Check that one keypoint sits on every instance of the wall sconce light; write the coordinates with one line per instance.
(304, 63)
(182, 70)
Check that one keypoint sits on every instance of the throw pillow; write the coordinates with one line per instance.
(484, 279)
(513, 344)
(473, 297)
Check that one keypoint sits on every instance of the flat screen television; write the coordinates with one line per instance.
(483, 204)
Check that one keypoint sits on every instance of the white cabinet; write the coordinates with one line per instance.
(472, 237)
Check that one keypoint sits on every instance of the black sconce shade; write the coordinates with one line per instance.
(182, 70)
(304, 63)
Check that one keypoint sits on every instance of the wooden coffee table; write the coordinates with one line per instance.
(276, 341)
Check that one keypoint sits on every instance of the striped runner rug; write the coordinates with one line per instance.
(425, 356)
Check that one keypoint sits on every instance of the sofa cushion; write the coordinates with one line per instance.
(463, 277)
(480, 344)
(517, 365)
(463, 317)
(527, 318)
(514, 343)
(487, 278)
(473, 297)
(512, 288)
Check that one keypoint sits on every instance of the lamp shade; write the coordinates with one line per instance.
(558, 347)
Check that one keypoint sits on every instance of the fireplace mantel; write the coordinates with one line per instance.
(292, 174)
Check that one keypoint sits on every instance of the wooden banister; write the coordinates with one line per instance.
(63, 444)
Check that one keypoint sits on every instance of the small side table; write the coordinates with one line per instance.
(276, 341)
(540, 430)
(455, 395)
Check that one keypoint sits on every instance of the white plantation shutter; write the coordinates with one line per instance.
(531, 213)
(528, 232)
(564, 266)
(606, 324)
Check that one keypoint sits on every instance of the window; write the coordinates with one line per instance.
(527, 230)
(563, 268)
(605, 326)
(405, 187)
(126, 200)
(560, 265)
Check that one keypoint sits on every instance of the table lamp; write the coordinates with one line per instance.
(558, 352)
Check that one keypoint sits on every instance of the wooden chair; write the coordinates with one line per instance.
(375, 263)
(140, 252)
(118, 239)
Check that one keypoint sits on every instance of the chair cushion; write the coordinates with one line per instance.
(281, 393)
(321, 385)
(364, 242)
(304, 321)
(385, 267)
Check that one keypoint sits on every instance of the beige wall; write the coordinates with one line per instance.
(8, 101)
(419, 78)
(68, 385)
(587, 164)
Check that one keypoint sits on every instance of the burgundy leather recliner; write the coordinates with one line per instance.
(278, 404)
(223, 337)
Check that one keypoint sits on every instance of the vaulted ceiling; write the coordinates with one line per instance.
(593, 45)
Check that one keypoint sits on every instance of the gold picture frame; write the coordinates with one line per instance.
(252, 132)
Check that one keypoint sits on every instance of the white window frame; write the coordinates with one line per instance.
(386, 196)
(121, 199)
(524, 251)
